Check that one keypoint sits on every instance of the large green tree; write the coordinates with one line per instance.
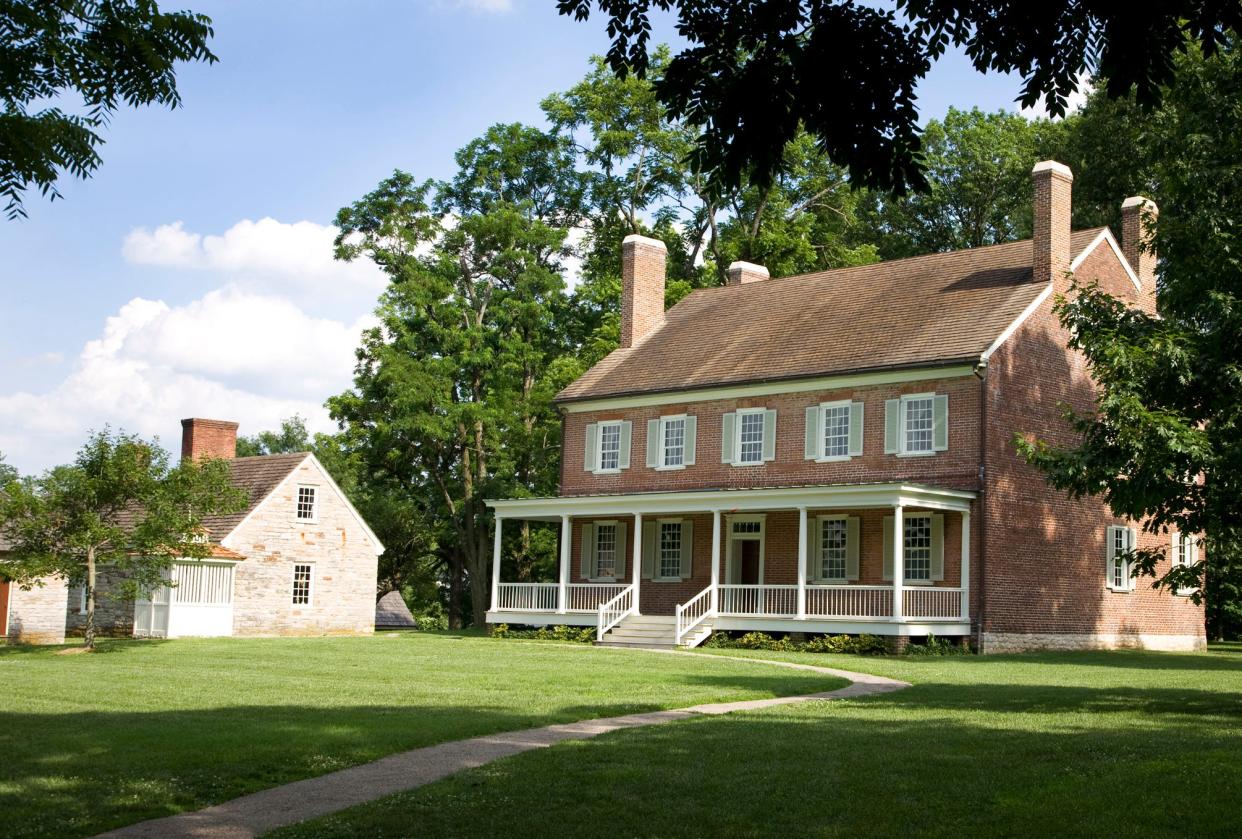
(7, 472)
(120, 504)
(96, 54)
(292, 437)
(1164, 444)
(757, 72)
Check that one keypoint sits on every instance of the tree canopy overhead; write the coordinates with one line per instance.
(757, 71)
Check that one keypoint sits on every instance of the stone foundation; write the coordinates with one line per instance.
(1014, 642)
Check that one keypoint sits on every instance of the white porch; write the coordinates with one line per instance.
(730, 599)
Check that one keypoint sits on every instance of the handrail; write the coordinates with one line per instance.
(692, 613)
(612, 612)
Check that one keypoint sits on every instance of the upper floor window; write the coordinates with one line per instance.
(748, 437)
(1185, 552)
(671, 442)
(916, 424)
(834, 431)
(308, 503)
(1120, 545)
(607, 446)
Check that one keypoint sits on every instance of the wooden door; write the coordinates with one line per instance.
(750, 562)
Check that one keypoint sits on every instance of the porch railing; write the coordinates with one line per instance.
(751, 600)
(930, 602)
(541, 597)
(614, 611)
(692, 613)
(849, 601)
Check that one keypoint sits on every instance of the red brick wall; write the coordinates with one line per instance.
(1045, 555)
(957, 467)
(642, 287)
(208, 438)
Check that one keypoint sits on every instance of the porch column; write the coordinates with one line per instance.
(496, 565)
(562, 591)
(636, 572)
(965, 565)
(899, 559)
(715, 596)
(801, 563)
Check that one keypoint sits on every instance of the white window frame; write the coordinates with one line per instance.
(310, 588)
(658, 565)
(297, 502)
(664, 465)
(598, 578)
(819, 552)
(737, 436)
(824, 407)
(1128, 580)
(599, 446)
(1187, 546)
(902, 407)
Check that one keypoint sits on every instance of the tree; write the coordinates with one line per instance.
(978, 169)
(757, 72)
(292, 437)
(1164, 443)
(7, 472)
(119, 504)
(108, 53)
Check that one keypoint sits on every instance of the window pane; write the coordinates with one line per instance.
(306, 502)
(832, 550)
(751, 449)
(674, 442)
(301, 585)
(670, 549)
(747, 527)
(606, 550)
(918, 414)
(918, 547)
(610, 446)
(837, 431)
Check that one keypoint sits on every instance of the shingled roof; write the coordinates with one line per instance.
(924, 311)
(258, 476)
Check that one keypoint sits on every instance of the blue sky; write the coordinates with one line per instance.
(192, 275)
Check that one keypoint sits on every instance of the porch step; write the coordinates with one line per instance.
(652, 632)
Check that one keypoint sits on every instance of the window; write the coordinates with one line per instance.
(302, 583)
(833, 548)
(674, 441)
(203, 585)
(750, 443)
(306, 503)
(606, 550)
(609, 446)
(836, 430)
(670, 550)
(1120, 544)
(744, 528)
(919, 418)
(918, 547)
(1185, 552)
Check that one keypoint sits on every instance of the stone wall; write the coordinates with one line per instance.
(114, 611)
(37, 616)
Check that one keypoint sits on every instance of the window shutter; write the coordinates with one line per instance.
(692, 431)
(856, 429)
(1131, 543)
(937, 546)
(727, 434)
(814, 538)
(892, 412)
(888, 547)
(621, 550)
(649, 549)
(1110, 554)
(769, 434)
(1173, 547)
(940, 422)
(592, 444)
(687, 549)
(623, 457)
(851, 547)
(811, 448)
(653, 444)
(587, 568)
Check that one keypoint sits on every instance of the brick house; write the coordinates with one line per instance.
(762, 455)
(298, 560)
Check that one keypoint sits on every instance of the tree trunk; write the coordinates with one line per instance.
(90, 598)
(454, 604)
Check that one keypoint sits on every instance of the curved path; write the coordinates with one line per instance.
(259, 812)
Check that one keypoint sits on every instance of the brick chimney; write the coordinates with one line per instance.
(1053, 207)
(208, 438)
(1138, 222)
(642, 287)
(740, 273)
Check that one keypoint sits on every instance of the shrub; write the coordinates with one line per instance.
(843, 644)
(937, 646)
(571, 634)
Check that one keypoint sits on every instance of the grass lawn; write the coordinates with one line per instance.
(1070, 744)
(147, 728)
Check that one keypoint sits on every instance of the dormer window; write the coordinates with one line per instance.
(308, 503)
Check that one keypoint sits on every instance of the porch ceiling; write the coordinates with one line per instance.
(836, 496)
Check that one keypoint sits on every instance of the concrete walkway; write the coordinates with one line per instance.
(255, 814)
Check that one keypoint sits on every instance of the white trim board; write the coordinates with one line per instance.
(1031, 308)
(677, 397)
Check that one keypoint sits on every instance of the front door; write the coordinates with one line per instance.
(748, 550)
(151, 615)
